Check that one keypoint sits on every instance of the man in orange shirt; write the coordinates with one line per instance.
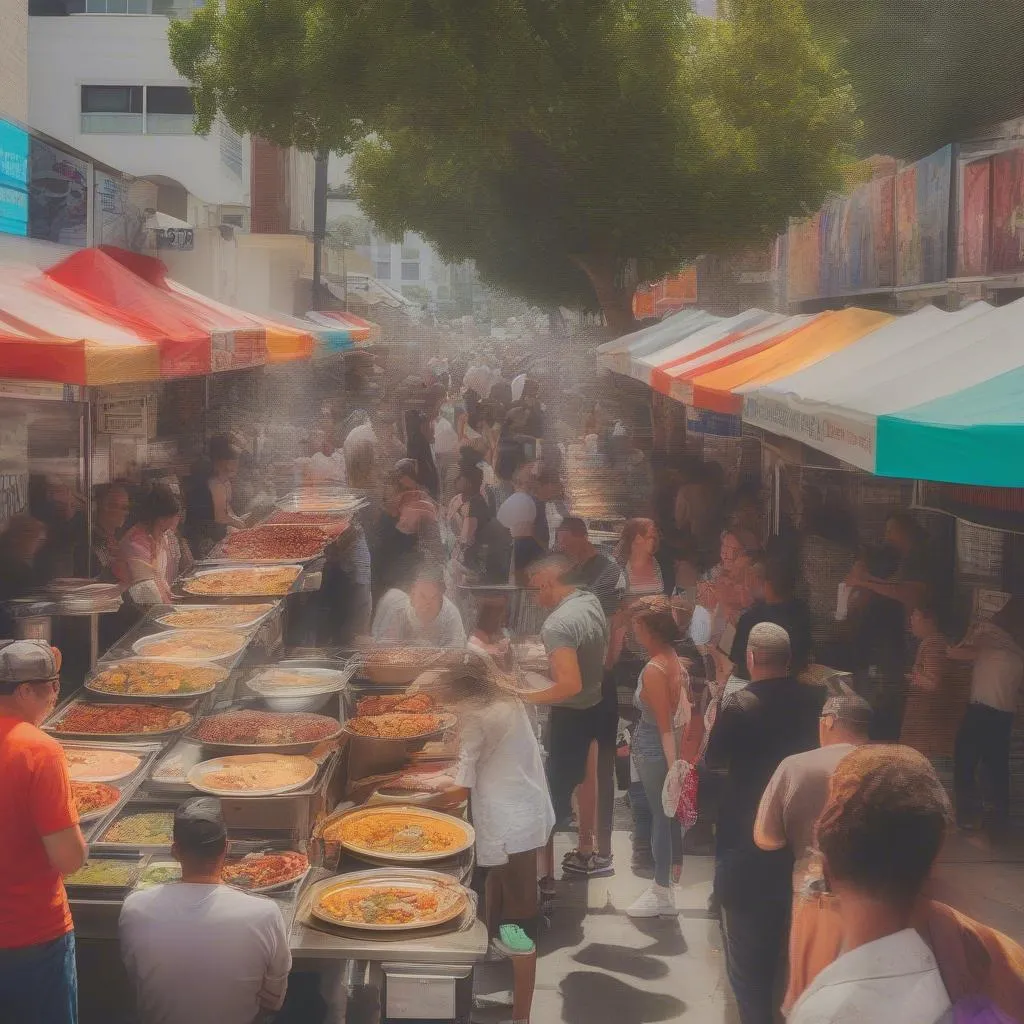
(40, 842)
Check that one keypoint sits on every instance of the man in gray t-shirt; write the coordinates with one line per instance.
(575, 636)
(797, 792)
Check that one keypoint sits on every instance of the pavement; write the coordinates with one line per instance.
(596, 966)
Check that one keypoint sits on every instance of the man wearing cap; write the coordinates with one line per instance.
(40, 842)
(789, 808)
(756, 729)
(197, 951)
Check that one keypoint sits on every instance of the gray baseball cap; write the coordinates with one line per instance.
(27, 661)
(199, 824)
(847, 707)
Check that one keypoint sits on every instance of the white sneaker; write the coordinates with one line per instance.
(656, 902)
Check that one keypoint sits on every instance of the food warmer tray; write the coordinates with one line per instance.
(251, 626)
(107, 894)
(339, 501)
(212, 750)
(219, 555)
(52, 724)
(172, 699)
(124, 648)
(138, 805)
(129, 789)
(297, 587)
(146, 752)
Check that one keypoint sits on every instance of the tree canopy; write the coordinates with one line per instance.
(569, 147)
(926, 72)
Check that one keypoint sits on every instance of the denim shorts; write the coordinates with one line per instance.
(39, 984)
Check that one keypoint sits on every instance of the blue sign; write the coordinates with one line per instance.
(13, 179)
(716, 424)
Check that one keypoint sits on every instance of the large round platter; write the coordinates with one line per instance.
(112, 792)
(58, 724)
(243, 581)
(224, 643)
(284, 745)
(122, 764)
(445, 722)
(302, 869)
(406, 817)
(286, 681)
(450, 895)
(215, 616)
(215, 675)
(201, 777)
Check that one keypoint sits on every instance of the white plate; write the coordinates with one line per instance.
(196, 776)
(321, 680)
(407, 858)
(109, 779)
(143, 644)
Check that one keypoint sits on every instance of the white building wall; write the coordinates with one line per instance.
(14, 59)
(66, 53)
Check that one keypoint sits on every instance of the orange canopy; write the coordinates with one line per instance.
(800, 348)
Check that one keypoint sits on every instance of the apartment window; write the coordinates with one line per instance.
(117, 6)
(410, 252)
(112, 109)
(382, 270)
(410, 271)
(136, 110)
(169, 110)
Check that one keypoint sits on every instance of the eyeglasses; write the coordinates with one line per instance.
(53, 684)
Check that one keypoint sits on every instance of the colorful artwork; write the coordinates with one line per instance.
(922, 219)
(973, 240)
(1008, 210)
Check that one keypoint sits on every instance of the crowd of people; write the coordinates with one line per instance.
(695, 640)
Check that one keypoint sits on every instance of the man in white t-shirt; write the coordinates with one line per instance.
(197, 951)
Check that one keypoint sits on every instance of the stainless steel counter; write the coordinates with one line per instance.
(454, 948)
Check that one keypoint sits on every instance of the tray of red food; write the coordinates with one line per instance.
(273, 543)
(266, 871)
(81, 720)
(93, 798)
(251, 730)
(334, 523)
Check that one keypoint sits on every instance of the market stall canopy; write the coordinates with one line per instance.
(617, 355)
(50, 333)
(718, 389)
(933, 396)
(338, 330)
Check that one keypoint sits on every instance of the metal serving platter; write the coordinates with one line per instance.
(240, 846)
(447, 722)
(141, 805)
(221, 556)
(384, 857)
(109, 697)
(53, 724)
(217, 749)
(145, 752)
(341, 501)
(324, 677)
(165, 616)
(295, 587)
(112, 893)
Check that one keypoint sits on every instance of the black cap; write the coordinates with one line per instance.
(199, 825)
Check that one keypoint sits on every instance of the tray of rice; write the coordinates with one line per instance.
(244, 581)
(399, 727)
(215, 616)
(146, 678)
(389, 900)
(159, 872)
(253, 775)
(250, 730)
(141, 824)
(402, 835)
(105, 877)
(191, 646)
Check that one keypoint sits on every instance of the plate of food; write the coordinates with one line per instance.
(275, 543)
(398, 726)
(255, 730)
(389, 901)
(399, 666)
(252, 581)
(266, 871)
(191, 645)
(333, 523)
(93, 798)
(140, 828)
(398, 703)
(159, 873)
(97, 764)
(215, 616)
(400, 834)
(296, 680)
(156, 677)
(253, 774)
(116, 721)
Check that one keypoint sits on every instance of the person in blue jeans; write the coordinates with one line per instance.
(662, 698)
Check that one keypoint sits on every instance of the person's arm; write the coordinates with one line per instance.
(928, 674)
(222, 512)
(724, 738)
(472, 737)
(565, 671)
(655, 693)
(770, 826)
(54, 816)
(275, 978)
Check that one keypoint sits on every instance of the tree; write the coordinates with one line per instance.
(926, 72)
(571, 148)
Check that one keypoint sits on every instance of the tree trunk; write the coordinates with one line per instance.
(615, 301)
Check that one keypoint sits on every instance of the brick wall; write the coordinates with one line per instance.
(14, 59)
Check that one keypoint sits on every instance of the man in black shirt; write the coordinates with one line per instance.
(604, 578)
(781, 606)
(756, 728)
